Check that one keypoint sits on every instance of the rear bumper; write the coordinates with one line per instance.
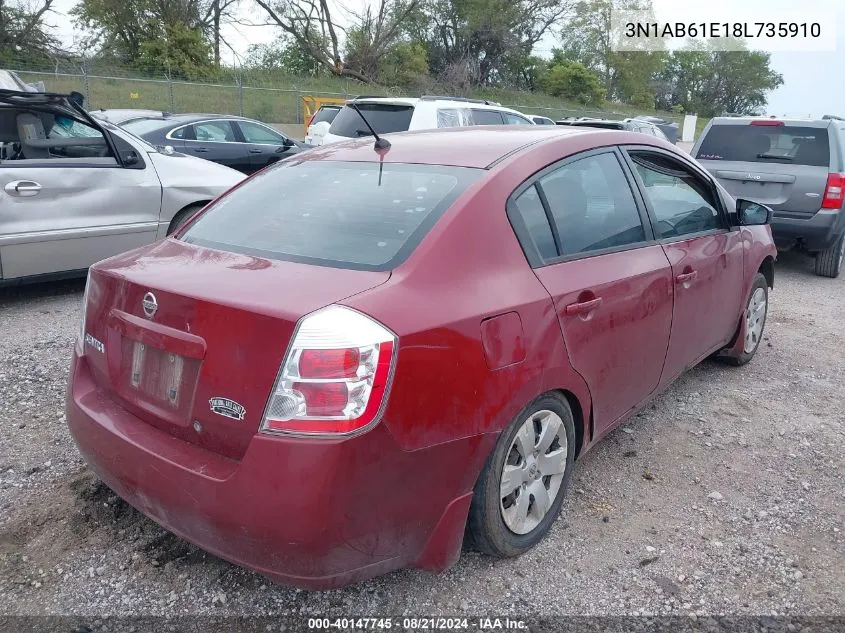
(812, 234)
(310, 514)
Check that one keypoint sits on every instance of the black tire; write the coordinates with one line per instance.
(745, 357)
(829, 261)
(486, 527)
(180, 218)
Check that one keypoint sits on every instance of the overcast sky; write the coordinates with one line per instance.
(813, 81)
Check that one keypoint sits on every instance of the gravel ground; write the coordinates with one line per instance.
(727, 495)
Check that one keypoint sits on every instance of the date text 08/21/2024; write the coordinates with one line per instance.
(417, 624)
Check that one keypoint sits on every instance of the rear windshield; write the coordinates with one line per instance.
(383, 117)
(345, 215)
(139, 127)
(325, 114)
(789, 145)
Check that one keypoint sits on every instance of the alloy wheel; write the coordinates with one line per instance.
(533, 471)
(755, 318)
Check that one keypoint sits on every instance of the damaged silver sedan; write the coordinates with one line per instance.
(76, 190)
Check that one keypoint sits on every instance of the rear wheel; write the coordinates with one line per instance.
(180, 218)
(829, 261)
(522, 487)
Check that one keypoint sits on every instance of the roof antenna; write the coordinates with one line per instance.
(381, 143)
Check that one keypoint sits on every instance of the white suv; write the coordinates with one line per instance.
(388, 114)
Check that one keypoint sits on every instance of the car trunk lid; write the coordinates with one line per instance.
(790, 188)
(193, 338)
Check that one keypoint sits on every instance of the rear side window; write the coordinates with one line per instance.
(384, 118)
(515, 119)
(536, 221)
(786, 144)
(345, 215)
(487, 117)
(449, 117)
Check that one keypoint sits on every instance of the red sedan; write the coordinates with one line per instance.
(335, 368)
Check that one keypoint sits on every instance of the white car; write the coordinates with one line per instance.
(401, 114)
(320, 123)
(75, 190)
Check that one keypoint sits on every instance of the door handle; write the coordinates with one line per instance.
(255, 151)
(23, 188)
(687, 277)
(201, 150)
(582, 308)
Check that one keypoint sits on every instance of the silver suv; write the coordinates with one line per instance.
(794, 166)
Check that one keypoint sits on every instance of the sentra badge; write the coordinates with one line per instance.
(97, 345)
(227, 408)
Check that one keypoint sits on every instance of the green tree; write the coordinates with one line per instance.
(314, 27)
(152, 34)
(480, 42)
(589, 39)
(406, 64)
(708, 80)
(24, 33)
(285, 56)
(573, 81)
(179, 50)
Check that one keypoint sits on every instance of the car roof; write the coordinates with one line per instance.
(175, 120)
(478, 146)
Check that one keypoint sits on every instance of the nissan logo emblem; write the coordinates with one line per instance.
(150, 304)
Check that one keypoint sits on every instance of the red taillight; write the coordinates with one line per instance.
(329, 363)
(834, 192)
(323, 399)
(767, 122)
(335, 377)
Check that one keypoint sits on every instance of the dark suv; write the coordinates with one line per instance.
(796, 167)
(632, 125)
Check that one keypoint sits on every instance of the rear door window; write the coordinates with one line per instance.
(215, 131)
(784, 144)
(592, 205)
(347, 215)
(384, 118)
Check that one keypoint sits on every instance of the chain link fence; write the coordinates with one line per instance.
(254, 94)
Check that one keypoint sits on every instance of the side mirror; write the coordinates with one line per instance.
(289, 143)
(750, 213)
